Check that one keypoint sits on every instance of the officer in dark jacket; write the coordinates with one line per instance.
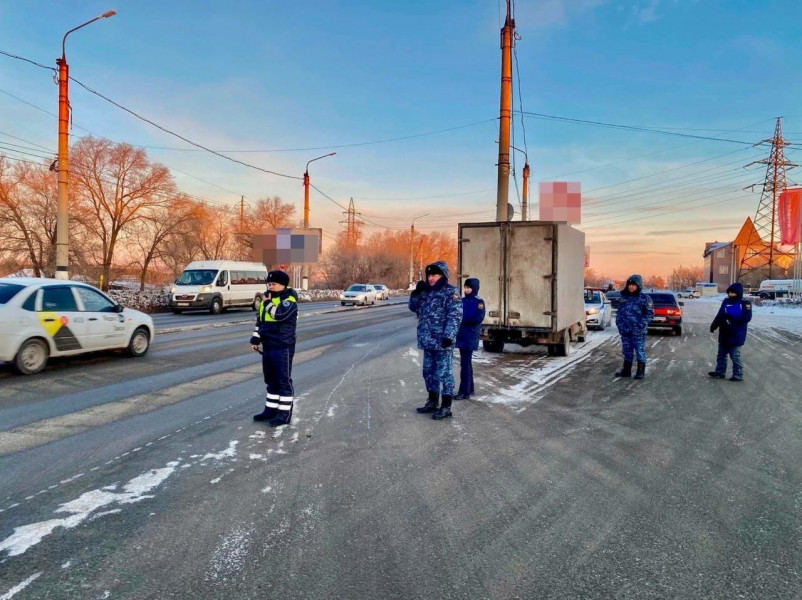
(731, 321)
(473, 313)
(635, 310)
(439, 309)
(275, 331)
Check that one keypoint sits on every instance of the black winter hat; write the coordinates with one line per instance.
(278, 277)
(433, 270)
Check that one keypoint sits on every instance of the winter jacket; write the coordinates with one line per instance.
(276, 320)
(732, 317)
(634, 310)
(473, 313)
(439, 311)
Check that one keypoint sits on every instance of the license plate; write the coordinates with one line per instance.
(661, 319)
(183, 303)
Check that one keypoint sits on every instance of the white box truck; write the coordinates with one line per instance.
(532, 282)
(216, 285)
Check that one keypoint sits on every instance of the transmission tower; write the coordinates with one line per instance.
(763, 251)
(352, 225)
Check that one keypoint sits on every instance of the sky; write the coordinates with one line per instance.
(407, 95)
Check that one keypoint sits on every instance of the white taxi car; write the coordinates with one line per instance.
(40, 318)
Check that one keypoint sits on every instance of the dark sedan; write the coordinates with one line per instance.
(614, 296)
(667, 312)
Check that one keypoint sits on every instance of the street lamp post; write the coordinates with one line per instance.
(62, 216)
(305, 267)
(412, 249)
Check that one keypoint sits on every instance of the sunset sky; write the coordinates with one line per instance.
(407, 94)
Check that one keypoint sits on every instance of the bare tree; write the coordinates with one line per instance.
(269, 213)
(28, 215)
(155, 226)
(117, 184)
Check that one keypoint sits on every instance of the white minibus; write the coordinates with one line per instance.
(216, 285)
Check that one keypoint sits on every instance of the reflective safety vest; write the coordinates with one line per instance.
(264, 316)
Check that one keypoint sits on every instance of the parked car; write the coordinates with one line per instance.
(359, 293)
(614, 296)
(667, 312)
(688, 293)
(40, 318)
(598, 310)
(382, 292)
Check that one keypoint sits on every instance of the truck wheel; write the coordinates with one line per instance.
(493, 345)
(217, 307)
(563, 348)
(678, 330)
(550, 350)
(32, 356)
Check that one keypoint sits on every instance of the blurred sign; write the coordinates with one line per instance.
(561, 201)
(285, 246)
(789, 211)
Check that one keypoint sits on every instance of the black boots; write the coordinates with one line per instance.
(266, 414)
(283, 417)
(626, 370)
(431, 403)
(716, 374)
(639, 374)
(444, 412)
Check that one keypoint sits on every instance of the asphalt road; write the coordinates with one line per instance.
(146, 478)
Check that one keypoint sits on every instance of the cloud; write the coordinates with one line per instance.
(646, 12)
(555, 13)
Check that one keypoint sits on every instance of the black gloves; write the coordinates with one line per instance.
(712, 329)
(420, 287)
(446, 343)
(255, 341)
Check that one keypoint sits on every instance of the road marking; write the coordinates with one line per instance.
(57, 428)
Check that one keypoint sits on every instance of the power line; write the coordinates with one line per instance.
(352, 145)
(180, 137)
(634, 128)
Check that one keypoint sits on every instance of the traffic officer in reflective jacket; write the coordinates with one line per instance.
(275, 331)
(635, 310)
(439, 309)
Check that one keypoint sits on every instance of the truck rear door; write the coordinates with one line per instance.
(481, 257)
(530, 268)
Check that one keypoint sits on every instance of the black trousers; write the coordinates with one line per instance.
(277, 369)
(465, 372)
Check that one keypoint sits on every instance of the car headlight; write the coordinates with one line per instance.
(172, 290)
(206, 288)
(592, 311)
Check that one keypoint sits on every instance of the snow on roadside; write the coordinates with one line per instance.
(534, 371)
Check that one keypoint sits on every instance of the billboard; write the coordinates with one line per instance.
(561, 201)
(285, 246)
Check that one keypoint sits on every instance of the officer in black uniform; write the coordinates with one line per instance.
(275, 331)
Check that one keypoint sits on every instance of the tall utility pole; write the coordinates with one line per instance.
(305, 267)
(762, 249)
(62, 210)
(505, 118)
(351, 224)
(242, 215)
(525, 200)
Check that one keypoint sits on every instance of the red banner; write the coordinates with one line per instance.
(789, 212)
